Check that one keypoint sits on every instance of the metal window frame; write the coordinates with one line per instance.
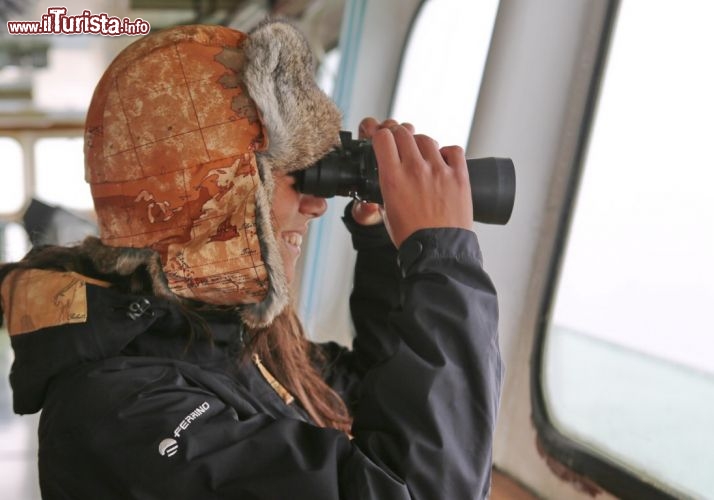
(576, 456)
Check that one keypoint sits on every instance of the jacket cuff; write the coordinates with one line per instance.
(364, 237)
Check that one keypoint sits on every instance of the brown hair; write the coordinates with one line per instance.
(292, 358)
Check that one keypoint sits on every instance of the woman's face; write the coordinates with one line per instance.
(292, 211)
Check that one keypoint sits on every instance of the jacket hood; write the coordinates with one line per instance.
(184, 133)
(59, 320)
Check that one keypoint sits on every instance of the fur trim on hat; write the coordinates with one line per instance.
(303, 124)
(264, 312)
(126, 262)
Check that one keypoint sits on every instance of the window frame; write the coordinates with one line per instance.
(577, 457)
(404, 49)
(403, 60)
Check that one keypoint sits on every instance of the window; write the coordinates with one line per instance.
(627, 367)
(59, 167)
(327, 71)
(442, 102)
(49, 168)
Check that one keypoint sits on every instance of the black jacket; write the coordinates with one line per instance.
(129, 410)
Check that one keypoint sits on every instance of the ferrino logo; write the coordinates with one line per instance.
(169, 446)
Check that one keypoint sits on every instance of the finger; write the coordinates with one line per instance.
(367, 127)
(429, 149)
(454, 157)
(409, 127)
(366, 214)
(385, 146)
(365, 208)
(388, 123)
(387, 154)
(407, 148)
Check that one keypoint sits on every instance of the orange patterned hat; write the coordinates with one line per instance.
(184, 132)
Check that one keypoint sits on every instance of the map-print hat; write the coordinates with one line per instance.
(183, 134)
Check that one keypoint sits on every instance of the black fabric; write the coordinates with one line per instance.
(423, 380)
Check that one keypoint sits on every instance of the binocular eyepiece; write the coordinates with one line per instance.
(351, 170)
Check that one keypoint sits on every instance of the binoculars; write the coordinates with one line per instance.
(351, 170)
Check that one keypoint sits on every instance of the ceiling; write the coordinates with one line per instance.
(51, 74)
(319, 19)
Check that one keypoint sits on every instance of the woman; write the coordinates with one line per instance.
(165, 355)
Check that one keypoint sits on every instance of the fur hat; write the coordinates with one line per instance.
(183, 135)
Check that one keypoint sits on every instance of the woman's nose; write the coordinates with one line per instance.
(311, 205)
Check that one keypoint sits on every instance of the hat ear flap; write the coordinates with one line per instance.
(263, 313)
(302, 125)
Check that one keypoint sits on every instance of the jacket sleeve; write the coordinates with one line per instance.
(374, 295)
(426, 321)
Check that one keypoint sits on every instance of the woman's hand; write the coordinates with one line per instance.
(370, 214)
(423, 186)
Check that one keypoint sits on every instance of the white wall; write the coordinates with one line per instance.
(530, 108)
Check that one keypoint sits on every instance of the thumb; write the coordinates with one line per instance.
(366, 214)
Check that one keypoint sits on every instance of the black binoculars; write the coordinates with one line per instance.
(351, 170)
